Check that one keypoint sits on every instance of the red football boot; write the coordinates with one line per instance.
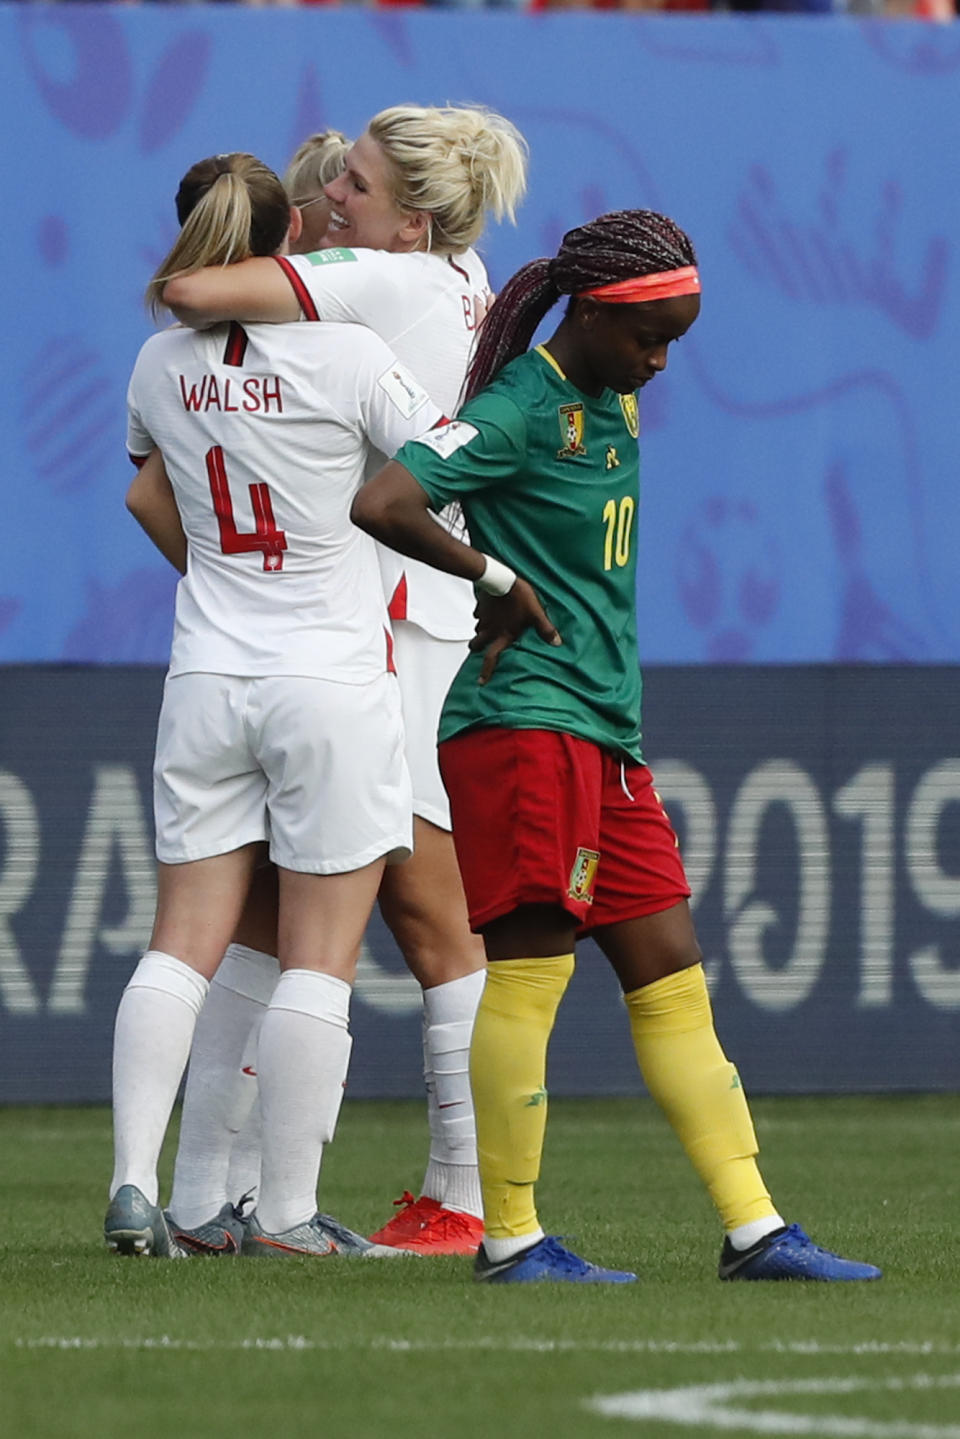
(426, 1227)
(412, 1214)
(447, 1231)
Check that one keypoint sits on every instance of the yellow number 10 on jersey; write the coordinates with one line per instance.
(618, 520)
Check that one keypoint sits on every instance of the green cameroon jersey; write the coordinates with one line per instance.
(549, 482)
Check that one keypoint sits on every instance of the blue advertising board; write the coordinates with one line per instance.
(819, 814)
(800, 501)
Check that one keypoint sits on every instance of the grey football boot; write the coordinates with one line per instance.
(322, 1237)
(348, 1241)
(218, 1238)
(135, 1226)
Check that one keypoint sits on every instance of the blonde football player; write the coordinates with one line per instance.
(413, 196)
(281, 718)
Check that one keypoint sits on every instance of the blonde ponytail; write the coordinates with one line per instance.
(230, 207)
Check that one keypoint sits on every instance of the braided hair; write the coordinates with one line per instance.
(622, 245)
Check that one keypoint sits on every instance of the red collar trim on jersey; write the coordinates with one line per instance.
(299, 288)
(644, 288)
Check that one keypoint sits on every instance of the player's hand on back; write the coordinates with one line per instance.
(501, 619)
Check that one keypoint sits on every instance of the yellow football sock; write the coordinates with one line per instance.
(508, 1068)
(699, 1091)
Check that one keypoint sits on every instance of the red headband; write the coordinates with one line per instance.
(647, 287)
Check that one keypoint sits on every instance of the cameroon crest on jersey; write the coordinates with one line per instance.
(583, 875)
(631, 413)
(571, 431)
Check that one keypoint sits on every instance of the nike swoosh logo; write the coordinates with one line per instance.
(199, 1246)
(249, 1069)
(293, 1248)
(454, 1104)
(732, 1265)
(490, 1268)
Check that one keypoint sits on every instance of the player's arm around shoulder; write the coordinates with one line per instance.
(356, 287)
(252, 290)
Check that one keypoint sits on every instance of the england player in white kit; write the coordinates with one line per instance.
(414, 195)
(280, 723)
(265, 434)
(427, 308)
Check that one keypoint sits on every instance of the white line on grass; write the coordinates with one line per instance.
(496, 1344)
(710, 1406)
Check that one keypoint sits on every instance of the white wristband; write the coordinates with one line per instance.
(497, 579)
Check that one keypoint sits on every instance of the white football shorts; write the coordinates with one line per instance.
(314, 767)
(425, 668)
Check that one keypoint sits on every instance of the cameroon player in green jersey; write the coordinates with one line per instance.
(558, 828)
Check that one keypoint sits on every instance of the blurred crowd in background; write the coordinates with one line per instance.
(942, 10)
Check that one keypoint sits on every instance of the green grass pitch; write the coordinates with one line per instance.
(92, 1345)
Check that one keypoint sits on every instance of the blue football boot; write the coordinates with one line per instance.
(790, 1254)
(547, 1260)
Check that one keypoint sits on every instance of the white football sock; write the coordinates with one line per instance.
(302, 1065)
(243, 1177)
(497, 1250)
(154, 1026)
(448, 1014)
(219, 1092)
(747, 1235)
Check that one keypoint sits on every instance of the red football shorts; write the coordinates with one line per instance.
(545, 818)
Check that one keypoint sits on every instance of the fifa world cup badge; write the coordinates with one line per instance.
(571, 431)
(583, 876)
(631, 413)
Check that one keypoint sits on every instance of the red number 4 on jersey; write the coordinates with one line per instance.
(266, 539)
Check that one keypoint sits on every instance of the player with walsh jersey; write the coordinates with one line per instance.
(281, 720)
(405, 210)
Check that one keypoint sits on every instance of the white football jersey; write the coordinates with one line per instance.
(265, 432)
(428, 309)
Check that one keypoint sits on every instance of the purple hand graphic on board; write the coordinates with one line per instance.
(810, 261)
(882, 476)
(726, 577)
